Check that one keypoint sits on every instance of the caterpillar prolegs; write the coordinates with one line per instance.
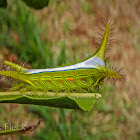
(83, 76)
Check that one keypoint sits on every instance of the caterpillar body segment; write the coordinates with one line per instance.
(72, 80)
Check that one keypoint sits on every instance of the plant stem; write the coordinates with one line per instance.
(49, 94)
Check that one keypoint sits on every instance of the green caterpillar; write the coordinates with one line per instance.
(82, 76)
(74, 86)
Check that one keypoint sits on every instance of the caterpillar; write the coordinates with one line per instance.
(82, 76)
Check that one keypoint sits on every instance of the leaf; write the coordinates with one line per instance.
(36, 4)
(3, 3)
(86, 104)
(83, 101)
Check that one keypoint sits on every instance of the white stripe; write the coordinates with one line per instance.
(92, 62)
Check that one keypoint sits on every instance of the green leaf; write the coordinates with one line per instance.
(86, 103)
(36, 4)
(83, 101)
(3, 3)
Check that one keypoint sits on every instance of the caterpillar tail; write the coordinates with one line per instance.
(16, 67)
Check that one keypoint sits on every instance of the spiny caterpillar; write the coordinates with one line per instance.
(80, 77)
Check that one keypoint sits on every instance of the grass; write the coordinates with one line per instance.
(63, 32)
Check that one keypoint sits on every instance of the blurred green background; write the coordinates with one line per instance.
(63, 32)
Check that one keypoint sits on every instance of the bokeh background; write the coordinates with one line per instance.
(63, 32)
